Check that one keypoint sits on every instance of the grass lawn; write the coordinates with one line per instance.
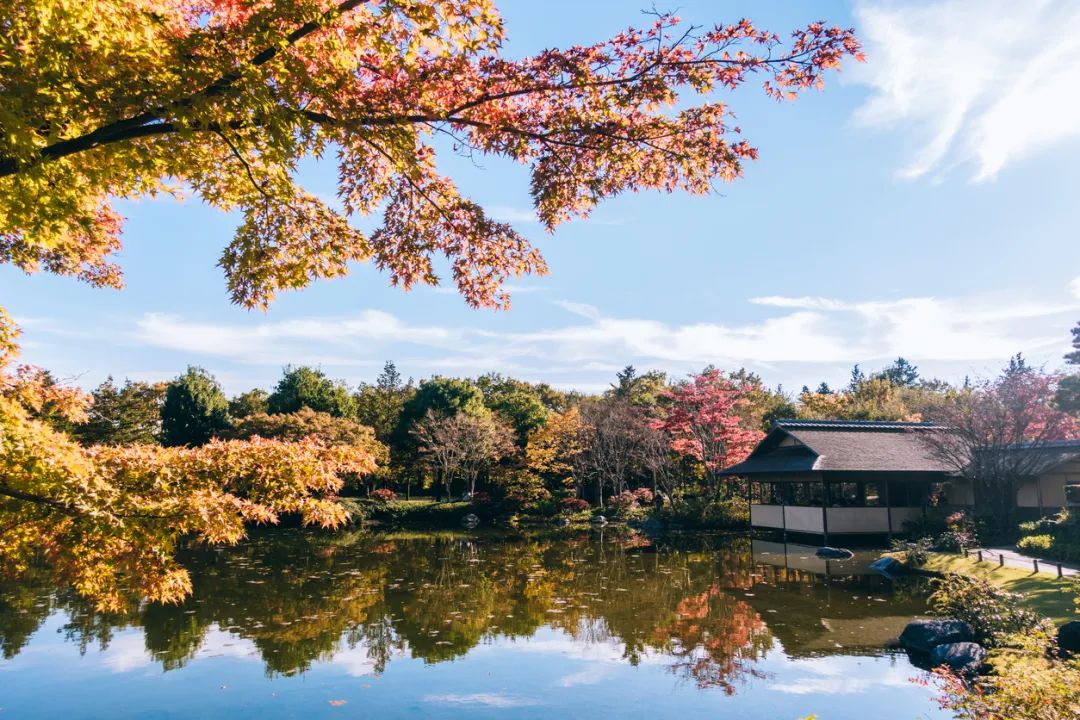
(1043, 593)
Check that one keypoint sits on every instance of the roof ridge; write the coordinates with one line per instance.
(795, 423)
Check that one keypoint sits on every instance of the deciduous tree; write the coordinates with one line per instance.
(128, 415)
(987, 422)
(227, 98)
(307, 387)
(194, 410)
(703, 421)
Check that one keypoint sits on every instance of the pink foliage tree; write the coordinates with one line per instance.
(1000, 434)
(703, 421)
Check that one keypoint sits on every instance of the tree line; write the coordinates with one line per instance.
(649, 437)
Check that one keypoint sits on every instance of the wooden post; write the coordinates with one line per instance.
(888, 508)
(1060, 574)
(825, 511)
(1035, 562)
(980, 556)
(1001, 560)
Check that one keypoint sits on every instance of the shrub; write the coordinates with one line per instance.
(522, 490)
(1026, 684)
(383, 495)
(991, 612)
(644, 496)
(960, 533)
(574, 505)
(622, 502)
(1036, 544)
(707, 513)
(915, 552)
(480, 498)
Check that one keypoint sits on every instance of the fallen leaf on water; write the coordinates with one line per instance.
(338, 703)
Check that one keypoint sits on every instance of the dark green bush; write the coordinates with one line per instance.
(700, 512)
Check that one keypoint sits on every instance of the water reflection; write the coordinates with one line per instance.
(710, 609)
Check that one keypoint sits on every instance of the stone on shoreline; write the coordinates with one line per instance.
(925, 635)
(965, 658)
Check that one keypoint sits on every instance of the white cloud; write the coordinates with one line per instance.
(505, 213)
(494, 700)
(800, 340)
(836, 676)
(986, 82)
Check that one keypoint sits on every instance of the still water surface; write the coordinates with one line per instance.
(301, 625)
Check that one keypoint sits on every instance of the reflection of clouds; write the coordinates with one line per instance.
(126, 652)
(843, 676)
(495, 700)
(560, 643)
(220, 643)
(355, 661)
(590, 675)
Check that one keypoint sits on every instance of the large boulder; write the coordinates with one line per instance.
(598, 520)
(925, 635)
(965, 658)
(831, 553)
(1068, 637)
(888, 566)
(470, 521)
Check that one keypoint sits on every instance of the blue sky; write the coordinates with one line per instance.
(924, 204)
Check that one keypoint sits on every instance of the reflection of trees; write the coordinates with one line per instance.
(299, 598)
(23, 607)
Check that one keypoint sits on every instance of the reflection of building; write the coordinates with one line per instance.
(851, 477)
(818, 607)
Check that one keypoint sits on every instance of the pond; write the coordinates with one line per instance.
(293, 624)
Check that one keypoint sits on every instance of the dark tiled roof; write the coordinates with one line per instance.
(870, 450)
(1045, 456)
(843, 446)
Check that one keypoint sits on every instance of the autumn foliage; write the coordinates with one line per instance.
(703, 421)
(117, 99)
(109, 519)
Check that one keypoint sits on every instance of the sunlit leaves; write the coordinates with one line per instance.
(119, 99)
(109, 518)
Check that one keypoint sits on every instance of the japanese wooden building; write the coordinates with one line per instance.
(852, 477)
(825, 477)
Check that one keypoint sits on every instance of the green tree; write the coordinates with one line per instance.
(1068, 392)
(194, 410)
(249, 403)
(309, 387)
(127, 415)
(517, 401)
(642, 391)
(443, 396)
(761, 405)
(380, 405)
(900, 372)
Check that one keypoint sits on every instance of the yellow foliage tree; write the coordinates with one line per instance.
(552, 447)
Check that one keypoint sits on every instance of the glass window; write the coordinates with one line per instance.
(898, 493)
(844, 494)
(1072, 494)
(872, 494)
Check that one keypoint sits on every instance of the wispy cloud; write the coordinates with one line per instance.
(494, 700)
(505, 213)
(954, 332)
(985, 82)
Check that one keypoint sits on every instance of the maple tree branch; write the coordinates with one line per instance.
(10, 492)
(145, 123)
